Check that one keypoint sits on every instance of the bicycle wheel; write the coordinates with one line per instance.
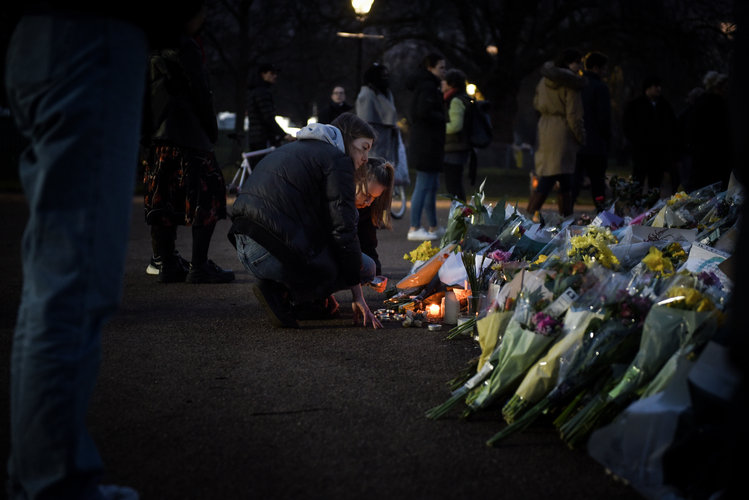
(399, 202)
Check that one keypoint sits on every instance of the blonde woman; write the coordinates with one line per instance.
(374, 192)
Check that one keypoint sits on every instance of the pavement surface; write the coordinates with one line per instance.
(199, 397)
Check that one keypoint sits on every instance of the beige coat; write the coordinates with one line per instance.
(560, 127)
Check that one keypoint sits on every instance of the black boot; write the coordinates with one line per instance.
(166, 261)
(202, 269)
(274, 297)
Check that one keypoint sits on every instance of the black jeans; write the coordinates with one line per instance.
(546, 183)
(650, 162)
(593, 166)
(454, 181)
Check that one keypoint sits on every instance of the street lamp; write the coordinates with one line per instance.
(361, 8)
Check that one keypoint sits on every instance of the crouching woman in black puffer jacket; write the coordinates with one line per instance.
(295, 223)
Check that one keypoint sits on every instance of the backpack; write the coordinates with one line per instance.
(478, 123)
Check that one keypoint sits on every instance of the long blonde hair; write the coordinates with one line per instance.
(382, 172)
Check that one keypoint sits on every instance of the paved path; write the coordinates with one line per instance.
(199, 398)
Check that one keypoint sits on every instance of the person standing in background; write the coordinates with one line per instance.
(561, 131)
(75, 80)
(375, 105)
(649, 124)
(184, 184)
(457, 148)
(264, 131)
(709, 137)
(335, 106)
(683, 148)
(426, 144)
(592, 158)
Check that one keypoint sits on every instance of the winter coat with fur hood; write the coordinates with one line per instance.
(561, 129)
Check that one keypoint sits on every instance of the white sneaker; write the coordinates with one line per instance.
(155, 265)
(440, 231)
(421, 234)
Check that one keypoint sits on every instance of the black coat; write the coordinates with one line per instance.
(179, 102)
(299, 205)
(710, 139)
(647, 126)
(426, 130)
(596, 115)
(261, 113)
(331, 110)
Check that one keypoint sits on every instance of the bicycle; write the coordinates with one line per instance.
(399, 202)
(245, 170)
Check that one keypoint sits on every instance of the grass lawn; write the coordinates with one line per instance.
(509, 184)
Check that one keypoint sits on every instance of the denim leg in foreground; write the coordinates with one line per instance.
(75, 87)
(257, 260)
(424, 198)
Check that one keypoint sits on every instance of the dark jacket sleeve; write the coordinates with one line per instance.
(339, 191)
(261, 99)
(428, 105)
(200, 90)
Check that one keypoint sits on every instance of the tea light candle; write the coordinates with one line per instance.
(434, 311)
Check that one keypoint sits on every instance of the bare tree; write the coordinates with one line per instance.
(679, 39)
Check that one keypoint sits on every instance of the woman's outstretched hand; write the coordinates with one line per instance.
(364, 316)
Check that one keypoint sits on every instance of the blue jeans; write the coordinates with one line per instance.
(263, 265)
(75, 87)
(424, 198)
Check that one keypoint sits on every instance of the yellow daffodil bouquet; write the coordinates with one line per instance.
(665, 262)
(593, 247)
(423, 252)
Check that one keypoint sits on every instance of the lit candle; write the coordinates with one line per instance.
(433, 311)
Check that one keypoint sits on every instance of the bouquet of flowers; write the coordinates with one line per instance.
(658, 266)
(664, 263)
(672, 323)
(685, 210)
(421, 253)
(629, 197)
(529, 333)
(593, 247)
(491, 330)
(473, 219)
(584, 304)
(719, 219)
(511, 232)
(606, 340)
